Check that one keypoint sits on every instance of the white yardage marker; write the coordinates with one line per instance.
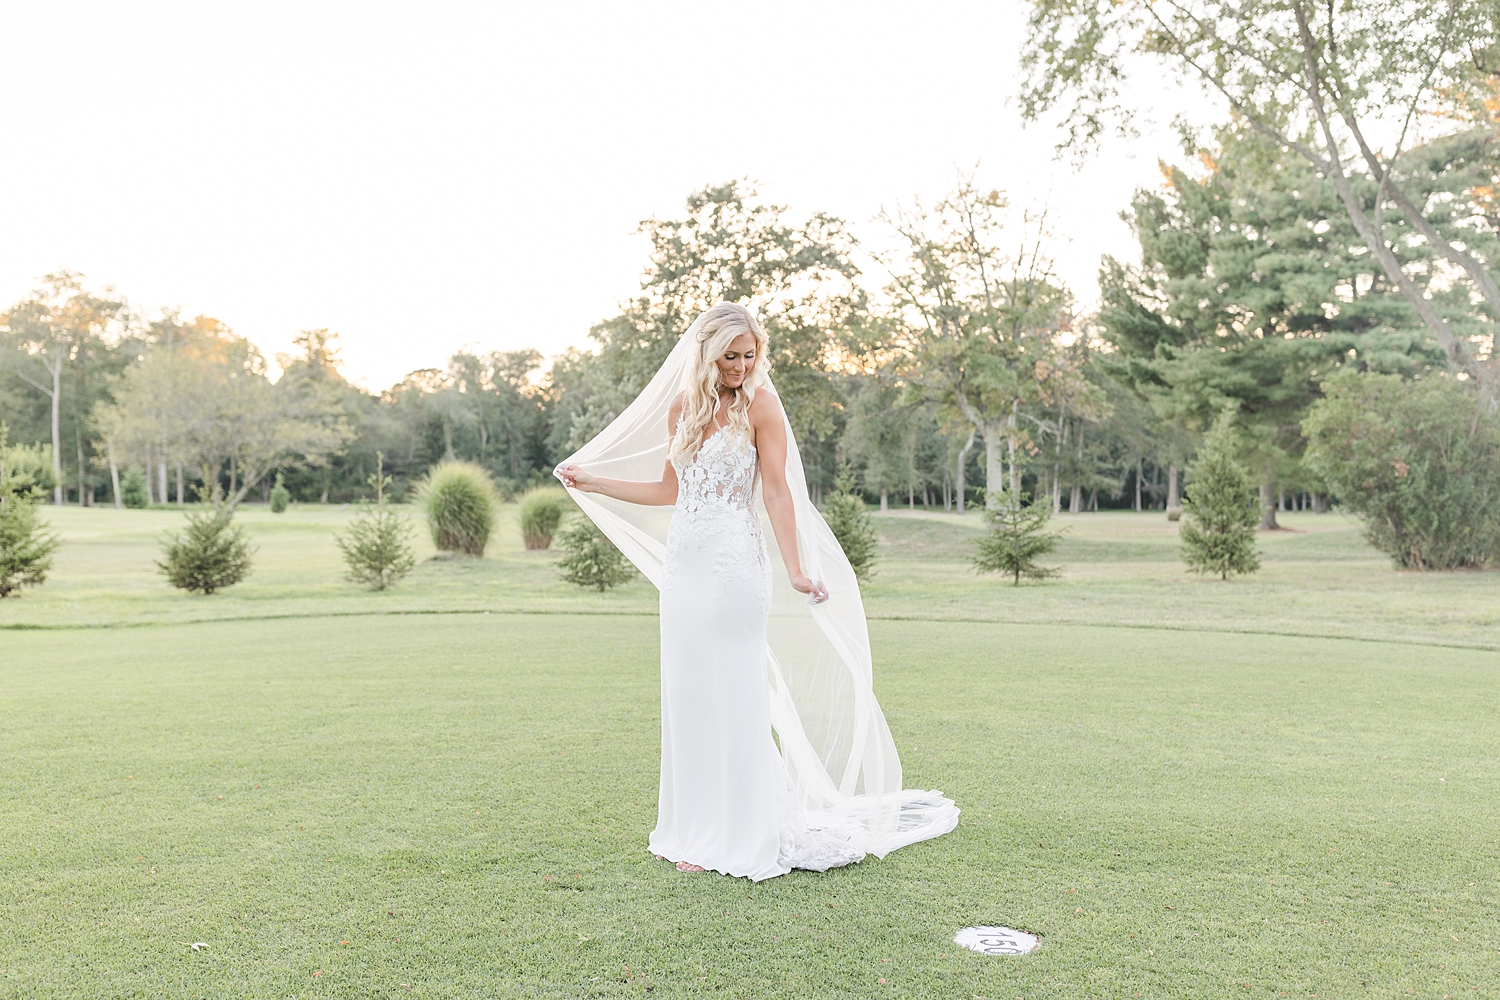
(997, 940)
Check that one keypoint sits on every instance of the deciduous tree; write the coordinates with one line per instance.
(730, 245)
(976, 319)
(60, 331)
(1320, 80)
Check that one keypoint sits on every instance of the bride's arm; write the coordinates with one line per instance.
(661, 493)
(770, 442)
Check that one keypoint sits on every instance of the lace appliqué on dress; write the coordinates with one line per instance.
(811, 848)
(716, 504)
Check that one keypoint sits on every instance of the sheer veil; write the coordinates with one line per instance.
(830, 730)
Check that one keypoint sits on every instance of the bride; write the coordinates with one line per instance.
(741, 659)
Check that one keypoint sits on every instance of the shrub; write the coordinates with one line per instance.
(1219, 512)
(133, 489)
(211, 553)
(1417, 461)
(1017, 535)
(280, 495)
(591, 559)
(542, 509)
(851, 525)
(460, 504)
(377, 546)
(25, 547)
(28, 468)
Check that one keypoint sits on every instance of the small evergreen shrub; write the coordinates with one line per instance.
(280, 495)
(133, 489)
(28, 468)
(1417, 461)
(211, 553)
(542, 510)
(590, 559)
(851, 525)
(460, 503)
(377, 546)
(25, 546)
(1017, 536)
(1219, 512)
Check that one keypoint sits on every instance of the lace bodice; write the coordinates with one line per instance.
(715, 518)
(723, 472)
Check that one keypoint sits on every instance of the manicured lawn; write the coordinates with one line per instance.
(1180, 806)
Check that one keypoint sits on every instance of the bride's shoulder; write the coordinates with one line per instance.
(765, 403)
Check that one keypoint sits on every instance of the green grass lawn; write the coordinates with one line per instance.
(1188, 788)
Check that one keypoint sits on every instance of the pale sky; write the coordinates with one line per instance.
(426, 176)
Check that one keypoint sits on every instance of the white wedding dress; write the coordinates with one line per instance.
(744, 655)
(725, 803)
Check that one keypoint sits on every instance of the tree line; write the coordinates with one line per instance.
(968, 366)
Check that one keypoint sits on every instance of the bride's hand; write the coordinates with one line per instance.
(575, 478)
(813, 588)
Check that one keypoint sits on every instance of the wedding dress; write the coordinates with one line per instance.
(743, 656)
(725, 802)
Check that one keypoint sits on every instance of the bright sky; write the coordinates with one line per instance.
(425, 176)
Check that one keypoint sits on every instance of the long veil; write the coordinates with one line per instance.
(830, 730)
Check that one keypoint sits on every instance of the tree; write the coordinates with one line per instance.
(880, 437)
(799, 277)
(133, 489)
(976, 328)
(1252, 288)
(212, 552)
(851, 525)
(1017, 536)
(1417, 461)
(150, 408)
(590, 559)
(377, 546)
(1314, 79)
(25, 546)
(491, 411)
(208, 402)
(1091, 441)
(1218, 524)
(59, 328)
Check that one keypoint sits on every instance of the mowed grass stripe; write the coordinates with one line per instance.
(465, 799)
(1196, 627)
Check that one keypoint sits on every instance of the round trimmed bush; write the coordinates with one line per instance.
(460, 503)
(542, 511)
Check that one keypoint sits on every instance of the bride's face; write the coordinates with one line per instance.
(737, 362)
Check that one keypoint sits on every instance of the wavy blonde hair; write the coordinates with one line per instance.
(720, 325)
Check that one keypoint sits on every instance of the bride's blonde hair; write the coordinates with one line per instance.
(720, 325)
